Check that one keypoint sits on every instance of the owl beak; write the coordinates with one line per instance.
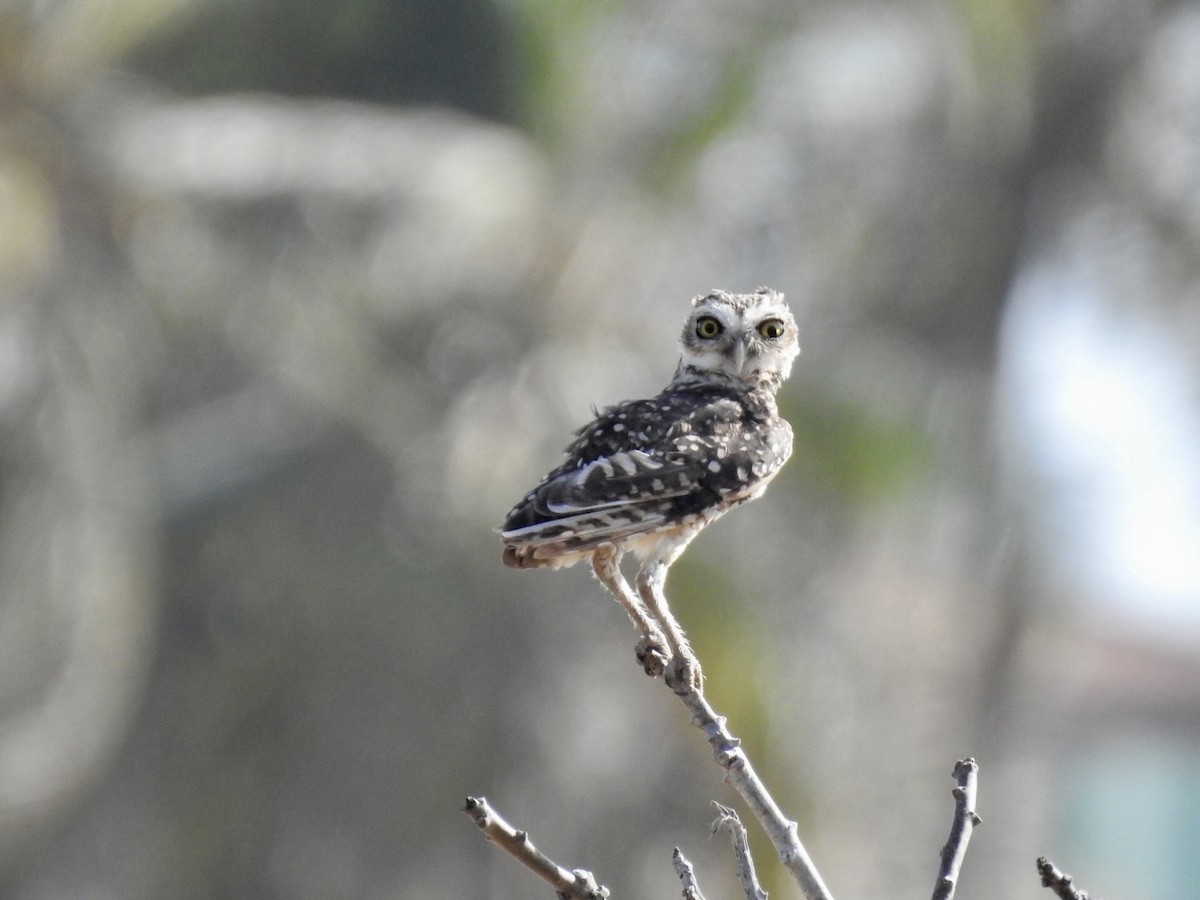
(739, 358)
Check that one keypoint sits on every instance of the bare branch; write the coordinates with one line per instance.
(740, 773)
(683, 868)
(729, 821)
(1060, 882)
(577, 884)
(965, 820)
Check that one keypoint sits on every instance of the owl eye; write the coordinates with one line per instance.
(771, 329)
(708, 327)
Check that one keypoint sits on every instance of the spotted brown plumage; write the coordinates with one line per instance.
(696, 450)
(645, 476)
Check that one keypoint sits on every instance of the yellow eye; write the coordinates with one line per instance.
(708, 327)
(771, 329)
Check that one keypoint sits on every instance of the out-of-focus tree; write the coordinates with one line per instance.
(296, 296)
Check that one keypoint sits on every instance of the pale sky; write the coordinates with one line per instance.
(1108, 416)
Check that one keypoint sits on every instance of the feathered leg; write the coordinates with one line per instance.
(653, 649)
(684, 670)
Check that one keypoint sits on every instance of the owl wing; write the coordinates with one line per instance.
(638, 468)
(613, 496)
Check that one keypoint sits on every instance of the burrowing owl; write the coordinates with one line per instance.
(647, 475)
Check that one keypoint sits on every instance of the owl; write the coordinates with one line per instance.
(645, 476)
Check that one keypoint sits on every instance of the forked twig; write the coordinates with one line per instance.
(729, 821)
(965, 820)
(782, 832)
(577, 884)
(727, 751)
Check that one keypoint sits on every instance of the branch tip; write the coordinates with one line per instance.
(577, 884)
(687, 876)
(965, 820)
(728, 820)
(1062, 884)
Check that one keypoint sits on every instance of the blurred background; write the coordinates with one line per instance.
(296, 298)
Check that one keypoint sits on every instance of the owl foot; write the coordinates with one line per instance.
(683, 674)
(651, 652)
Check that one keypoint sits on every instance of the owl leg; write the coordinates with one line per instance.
(652, 650)
(683, 673)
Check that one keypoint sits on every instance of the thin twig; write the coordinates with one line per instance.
(577, 884)
(965, 820)
(687, 875)
(740, 773)
(1061, 883)
(728, 820)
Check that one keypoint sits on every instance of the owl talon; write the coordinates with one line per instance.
(683, 675)
(651, 653)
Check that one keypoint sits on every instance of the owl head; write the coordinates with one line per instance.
(748, 337)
